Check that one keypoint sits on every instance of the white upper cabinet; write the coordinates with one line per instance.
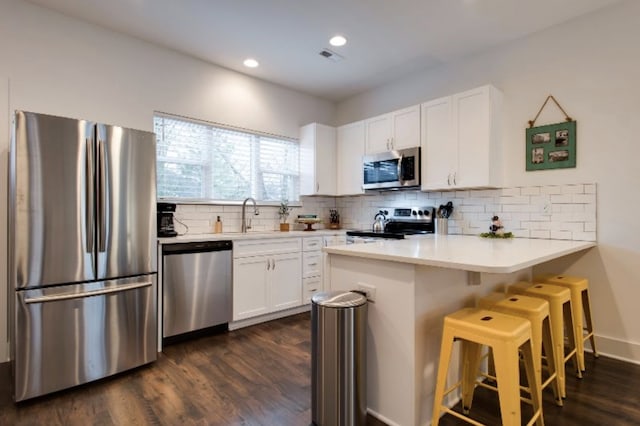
(396, 130)
(350, 149)
(461, 144)
(317, 160)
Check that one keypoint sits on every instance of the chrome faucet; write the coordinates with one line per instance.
(246, 223)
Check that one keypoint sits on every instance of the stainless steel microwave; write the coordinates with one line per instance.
(392, 170)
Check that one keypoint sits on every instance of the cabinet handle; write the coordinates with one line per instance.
(391, 143)
(268, 264)
(454, 178)
(449, 179)
(313, 264)
(273, 265)
(317, 187)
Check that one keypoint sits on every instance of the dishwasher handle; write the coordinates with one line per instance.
(196, 247)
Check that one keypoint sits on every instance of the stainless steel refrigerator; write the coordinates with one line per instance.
(82, 257)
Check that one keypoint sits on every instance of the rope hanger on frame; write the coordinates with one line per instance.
(566, 116)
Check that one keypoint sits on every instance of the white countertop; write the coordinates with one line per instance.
(249, 235)
(469, 253)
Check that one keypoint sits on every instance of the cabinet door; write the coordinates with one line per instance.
(250, 287)
(285, 281)
(439, 148)
(406, 128)
(317, 160)
(472, 131)
(349, 151)
(378, 134)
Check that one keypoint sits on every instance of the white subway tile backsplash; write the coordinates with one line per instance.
(539, 233)
(561, 235)
(530, 190)
(565, 212)
(573, 189)
(551, 189)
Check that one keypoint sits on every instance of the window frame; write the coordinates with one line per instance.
(207, 164)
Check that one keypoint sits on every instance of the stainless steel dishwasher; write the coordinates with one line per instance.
(196, 287)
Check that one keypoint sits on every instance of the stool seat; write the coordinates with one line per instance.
(504, 334)
(581, 303)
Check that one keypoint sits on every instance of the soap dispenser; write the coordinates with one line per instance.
(218, 226)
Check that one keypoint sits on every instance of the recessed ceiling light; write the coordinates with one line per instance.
(338, 40)
(250, 63)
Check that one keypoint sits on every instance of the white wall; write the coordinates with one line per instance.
(591, 65)
(61, 66)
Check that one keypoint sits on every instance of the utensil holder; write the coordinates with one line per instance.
(442, 226)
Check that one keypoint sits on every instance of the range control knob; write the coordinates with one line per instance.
(419, 212)
(386, 212)
(413, 212)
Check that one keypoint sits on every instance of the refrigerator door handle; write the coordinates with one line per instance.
(102, 196)
(89, 202)
(56, 298)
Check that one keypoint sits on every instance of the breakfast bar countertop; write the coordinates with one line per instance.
(465, 252)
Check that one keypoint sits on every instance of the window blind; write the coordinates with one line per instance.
(199, 161)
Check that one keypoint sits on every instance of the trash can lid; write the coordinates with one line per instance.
(339, 299)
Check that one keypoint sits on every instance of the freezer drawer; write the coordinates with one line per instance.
(73, 334)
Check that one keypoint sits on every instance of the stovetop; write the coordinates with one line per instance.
(401, 221)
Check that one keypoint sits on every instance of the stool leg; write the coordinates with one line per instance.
(547, 343)
(508, 378)
(443, 367)
(471, 363)
(586, 303)
(572, 338)
(533, 381)
(555, 314)
(578, 326)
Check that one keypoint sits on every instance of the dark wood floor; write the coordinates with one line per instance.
(261, 376)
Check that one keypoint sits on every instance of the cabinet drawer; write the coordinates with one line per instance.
(244, 248)
(312, 243)
(310, 286)
(311, 264)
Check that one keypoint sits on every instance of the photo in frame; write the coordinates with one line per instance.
(552, 146)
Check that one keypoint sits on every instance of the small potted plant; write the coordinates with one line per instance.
(283, 212)
(334, 219)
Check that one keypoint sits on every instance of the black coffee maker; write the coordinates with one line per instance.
(165, 220)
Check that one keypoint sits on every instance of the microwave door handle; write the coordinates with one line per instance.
(400, 177)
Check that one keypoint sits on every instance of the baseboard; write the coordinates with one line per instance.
(268, 317)
(382, 418)
(617, 349)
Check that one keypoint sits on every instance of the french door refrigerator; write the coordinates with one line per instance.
(82, 258)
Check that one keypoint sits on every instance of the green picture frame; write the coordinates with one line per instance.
(552, 146)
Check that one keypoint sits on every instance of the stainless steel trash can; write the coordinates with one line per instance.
(338, 359)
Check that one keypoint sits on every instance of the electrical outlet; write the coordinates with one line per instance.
(369, 290)
(546, 208)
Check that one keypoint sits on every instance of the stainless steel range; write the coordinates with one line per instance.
(398, 222)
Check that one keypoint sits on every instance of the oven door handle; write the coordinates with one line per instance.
(400, 177)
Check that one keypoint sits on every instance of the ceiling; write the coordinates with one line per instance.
(387, 39)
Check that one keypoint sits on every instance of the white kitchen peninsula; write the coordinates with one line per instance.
(417, 282)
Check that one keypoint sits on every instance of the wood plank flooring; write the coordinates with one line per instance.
(261, 376)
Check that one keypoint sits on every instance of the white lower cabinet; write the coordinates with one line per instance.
(267, 276)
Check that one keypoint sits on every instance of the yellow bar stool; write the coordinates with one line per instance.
(560, 313)
(535, 310)
(581, 303)
(505, 335)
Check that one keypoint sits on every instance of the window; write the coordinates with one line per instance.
(200, 161)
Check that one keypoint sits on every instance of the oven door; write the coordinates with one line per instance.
(394, 169)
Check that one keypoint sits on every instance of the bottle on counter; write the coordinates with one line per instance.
(218, 226)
